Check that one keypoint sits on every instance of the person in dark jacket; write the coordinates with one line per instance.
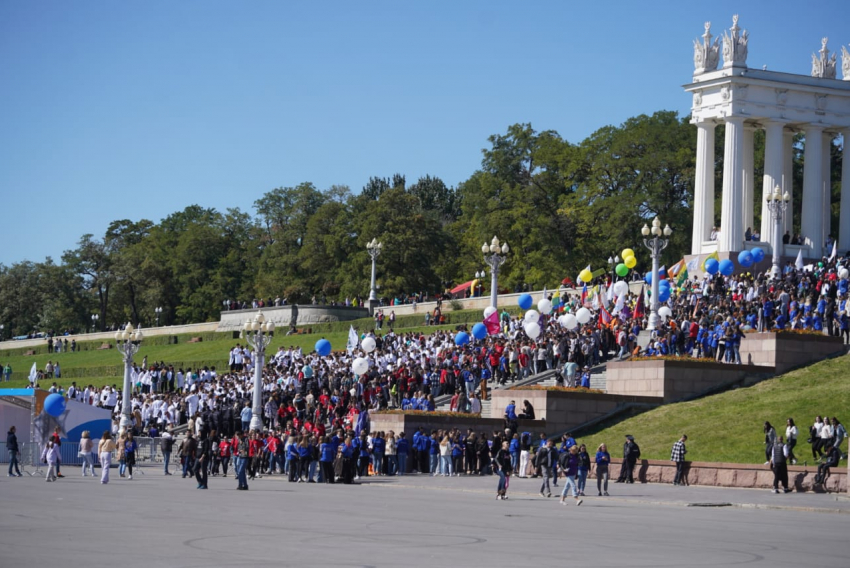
(14, 452)
(631, 454)
(545, 459)
(202, 459)
(570, 463)
(502, 466)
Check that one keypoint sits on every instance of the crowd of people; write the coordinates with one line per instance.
(310, 401)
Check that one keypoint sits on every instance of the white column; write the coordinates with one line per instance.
(748, 182)
(703, 186)
(812, 216)
(731, 231)
(844, 212)
(774, 156)
(826, 197)
(788, 179)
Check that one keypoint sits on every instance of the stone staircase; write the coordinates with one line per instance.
(597, 379)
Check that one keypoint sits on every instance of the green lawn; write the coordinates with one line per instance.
(100, 367)
(727, 427)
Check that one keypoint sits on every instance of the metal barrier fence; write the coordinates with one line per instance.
(148, 453)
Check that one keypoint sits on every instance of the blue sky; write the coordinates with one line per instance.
(112, 110)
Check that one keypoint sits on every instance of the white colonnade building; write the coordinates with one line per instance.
(782, 104)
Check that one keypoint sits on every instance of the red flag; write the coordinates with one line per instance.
(640, 307)
(604, 317)
(492, 323)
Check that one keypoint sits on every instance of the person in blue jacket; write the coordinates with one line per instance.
(378, 447)
(292, 458)
(326, 459)
(457, 455)
(402, 448)
(433, 454)
(513, 448)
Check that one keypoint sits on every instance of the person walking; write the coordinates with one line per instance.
(203, 452)
(544, 459)
(86, 447)
(791, 439)
(677, 455)
(502, 466)
(779, 465)
(130, 447)
(603, 460)
(769, 440)
(570, 464)
(50, 456)
(241, 461)
(104, 449)
(166, 444)
(14, 452)
(583, 468)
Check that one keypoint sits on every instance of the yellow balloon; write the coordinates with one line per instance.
(627, 253)
(585, 275)
(630, 262)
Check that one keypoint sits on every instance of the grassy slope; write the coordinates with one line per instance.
(104, 366)
(728, 427)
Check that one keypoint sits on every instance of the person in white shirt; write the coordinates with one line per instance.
(791, 439)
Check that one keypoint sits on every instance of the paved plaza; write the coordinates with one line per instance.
(410, 521)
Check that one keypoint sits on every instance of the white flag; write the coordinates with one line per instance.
(798, 264)
(693, 265)
(834, 251)
(352, 340)
(33, 374)
(618, 307)
(545, 294)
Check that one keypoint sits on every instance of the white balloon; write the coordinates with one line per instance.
(360, 365)
(532, 316)
(621, 288)
(532, 330)
(583, 315)
(570, 321)
(368, 344)
(544, 306)
(665, 312)
(844, 273)
(489, 311)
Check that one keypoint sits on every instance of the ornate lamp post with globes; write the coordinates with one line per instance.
(495, 256)
(258, 333)
(655, 244)
(374, 248)
(127, 342)
(777, 203)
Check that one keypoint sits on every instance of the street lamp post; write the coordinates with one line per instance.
(479, 275)
(374, 248)
(94, 318)
(612, 265)
(777, 203)
(127, 342)
(496, 258)
(2, 328)
(157, 310)
(655, 244)
(258, 333)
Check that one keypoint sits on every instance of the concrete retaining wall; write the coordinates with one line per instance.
(109, 336)
(786, 351)
(282, 316)
(730, 475)
(674, 380)
(563, 410)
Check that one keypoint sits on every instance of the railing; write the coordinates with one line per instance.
(148, 453)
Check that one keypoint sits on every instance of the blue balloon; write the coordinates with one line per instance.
(727, 267)
(758, 254)
(664, 294)
(664, 284)
(745, 258)
(461, 339)
(323, 347)
(712, 266)
(54, 405)
(648, 278)
(479, 331)
(525, 301)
